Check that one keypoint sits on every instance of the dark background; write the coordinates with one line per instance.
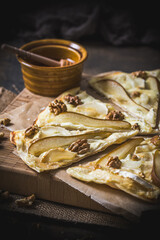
(118, 35)
(118, 23)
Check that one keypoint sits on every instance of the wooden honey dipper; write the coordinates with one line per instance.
(33, 56)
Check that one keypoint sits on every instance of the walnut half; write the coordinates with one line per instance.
(80, 146)
(57, 107)
(114, 162)
(74, 100)
(25, 202)
(5, 121)
(31, 131)
(115, 115)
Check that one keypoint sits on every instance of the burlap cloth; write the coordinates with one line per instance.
(58, 211)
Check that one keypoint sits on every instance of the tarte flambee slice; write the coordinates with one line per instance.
(133, 167)
(136, 93)
(72, 126)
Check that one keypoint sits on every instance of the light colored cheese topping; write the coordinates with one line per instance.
(36, 162)
(127, 81)
(90, 106)
(134, 175)
(144, 92)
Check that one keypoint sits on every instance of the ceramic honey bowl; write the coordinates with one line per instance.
(52, 81)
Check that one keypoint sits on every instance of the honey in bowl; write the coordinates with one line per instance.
(56, 53)
(52, 81)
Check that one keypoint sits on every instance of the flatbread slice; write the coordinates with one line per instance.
(136, 93)
(70, 128)
(133, 167)
(81, 112)
(52, 147)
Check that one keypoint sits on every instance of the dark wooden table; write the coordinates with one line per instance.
(48, 220)
(101, 58)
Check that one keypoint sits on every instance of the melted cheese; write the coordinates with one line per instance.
(128, 81)
(148, 96)
(134, 176)
(90, 107)
(56, 158)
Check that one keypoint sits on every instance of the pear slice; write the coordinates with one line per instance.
(116, 92)
(156, 169)
(121, 152)
(39, 146)
(56, 131)
(72, 119)
(58, 154)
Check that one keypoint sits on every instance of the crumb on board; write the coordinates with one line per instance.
(26, 201)
(5, 121)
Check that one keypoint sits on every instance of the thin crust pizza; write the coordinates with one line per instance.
(76, 125)
(132, 167)
(136, 93)
(72, 126)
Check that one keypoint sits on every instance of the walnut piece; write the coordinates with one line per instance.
(115, 115)
(136, 127)
(140, 74)
(135, 94)
(156, 140)
(5, 121)
(74, 100)
(57, 107)
(31, 131)
(114, 162)
(135, 157)
(25, 202)
(80, 146)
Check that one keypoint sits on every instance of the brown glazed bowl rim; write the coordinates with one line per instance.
(66, 43)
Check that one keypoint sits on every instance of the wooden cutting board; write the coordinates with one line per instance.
(17, 177)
